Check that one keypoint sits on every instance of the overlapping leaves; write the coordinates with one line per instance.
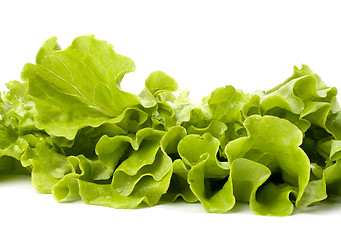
(80, 136)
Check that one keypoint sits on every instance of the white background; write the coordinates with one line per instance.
(203, 45)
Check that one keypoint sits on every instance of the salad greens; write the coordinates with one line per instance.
(71, 127)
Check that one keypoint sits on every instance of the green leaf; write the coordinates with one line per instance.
(216, 195)
(273, 200)
(226, 104)
(179, 187)
(247, 177)
(333, 124)
(78, 86)
(140, 167)
(169, 141)
(147, 161)
(159, 80)
(314, 192)
(48, 168)
(146, 190)
(274, 142)
(194, 149)
(333, 178)
(207, 177)
(104, 195)
(67, 188)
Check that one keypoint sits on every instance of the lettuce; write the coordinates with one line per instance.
(78, 86)
(71, 127)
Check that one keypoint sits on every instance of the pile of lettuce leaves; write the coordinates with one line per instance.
(71, 127)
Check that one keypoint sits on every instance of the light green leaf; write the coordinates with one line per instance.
(274, 142)
(216, 195)
(48, 168)
(207, 177)
(226, 104)
(159, 80)
(78, 86)
(273, 200)
(333, 178)
(179, 187)
(247, 176)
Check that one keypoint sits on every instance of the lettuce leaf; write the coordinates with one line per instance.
(78, 86)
